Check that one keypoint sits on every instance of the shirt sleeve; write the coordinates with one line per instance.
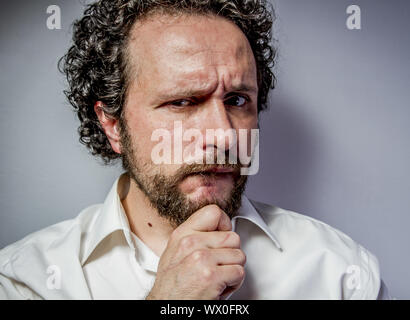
(383, 292)
(370, 285)
(8, 289)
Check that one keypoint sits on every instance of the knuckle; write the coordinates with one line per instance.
(200, 256)
(240, 271)
(242, 257)
(214, 211)
(175, 234)
(187, 242)
(236, 240)
(215, 208)
(208, 274)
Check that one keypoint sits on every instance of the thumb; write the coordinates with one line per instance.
(209, 218)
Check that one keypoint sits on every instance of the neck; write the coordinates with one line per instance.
(144, 220)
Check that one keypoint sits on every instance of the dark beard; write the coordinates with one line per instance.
(163, 192)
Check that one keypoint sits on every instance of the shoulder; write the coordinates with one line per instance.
(26, 261)
(355, 266)
(54, 234)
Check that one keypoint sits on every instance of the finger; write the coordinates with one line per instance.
(232, 276)
(227, 256)
(225, 223)
(228, 291)
(208, 218)
(207, 240)
(219, 239)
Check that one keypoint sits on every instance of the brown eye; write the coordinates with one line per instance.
(236, 101)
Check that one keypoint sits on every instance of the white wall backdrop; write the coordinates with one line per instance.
(334, 145)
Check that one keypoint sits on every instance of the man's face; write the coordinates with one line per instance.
(199, 71)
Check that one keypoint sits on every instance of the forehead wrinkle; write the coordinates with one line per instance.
(230, 54)
(204, 81)
(217, 65)
(188, 87)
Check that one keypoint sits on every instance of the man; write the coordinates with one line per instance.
(180, 229)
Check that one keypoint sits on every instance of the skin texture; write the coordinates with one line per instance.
(199, 70)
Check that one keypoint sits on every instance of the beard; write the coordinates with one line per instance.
(162, 190)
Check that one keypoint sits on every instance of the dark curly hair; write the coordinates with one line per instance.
(96, 64)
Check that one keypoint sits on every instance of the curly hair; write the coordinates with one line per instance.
(96, 64)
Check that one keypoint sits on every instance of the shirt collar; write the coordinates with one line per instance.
(248, 212)
(112, 218)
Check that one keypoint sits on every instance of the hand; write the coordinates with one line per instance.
(202, 260)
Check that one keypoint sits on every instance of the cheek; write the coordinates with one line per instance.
(141, 126)
(152, 137)
(245, 119)
(247, 135)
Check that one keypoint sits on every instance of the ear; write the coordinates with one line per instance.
(110, 126)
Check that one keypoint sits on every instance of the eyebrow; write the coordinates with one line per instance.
(202, 92)
(244, 88)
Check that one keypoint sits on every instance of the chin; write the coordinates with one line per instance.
(208, 195)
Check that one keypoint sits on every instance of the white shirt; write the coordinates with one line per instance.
(96, 256)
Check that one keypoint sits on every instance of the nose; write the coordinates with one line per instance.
(217, 123)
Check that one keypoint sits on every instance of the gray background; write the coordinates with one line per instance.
(335, 144)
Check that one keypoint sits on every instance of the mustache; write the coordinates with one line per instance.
(187, 170)
(190, 169)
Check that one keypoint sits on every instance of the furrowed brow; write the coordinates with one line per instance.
(188, 93)
(244, 88)
(202, 92)
(175, 94)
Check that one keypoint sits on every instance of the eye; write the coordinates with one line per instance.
(181, 103)
(236, 101)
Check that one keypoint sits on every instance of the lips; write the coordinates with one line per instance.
(212, 180)
(219, 170)
(213, 172)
